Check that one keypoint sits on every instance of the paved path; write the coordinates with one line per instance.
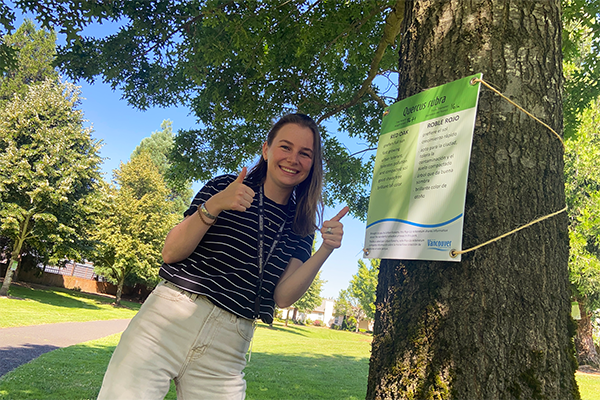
(22, 344)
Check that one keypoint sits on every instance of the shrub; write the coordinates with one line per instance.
(349, 324)
(318, 322)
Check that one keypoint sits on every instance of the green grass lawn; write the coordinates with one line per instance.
(293, 362)
(589, 386)
(27, 306)
(286, 363)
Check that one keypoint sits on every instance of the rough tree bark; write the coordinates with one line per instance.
(496, 325)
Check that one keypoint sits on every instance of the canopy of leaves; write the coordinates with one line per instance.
(583, 199)
(581, 47)
(134, 221)
(49, 169)
(8, 54)
(36, 51)
(239, 66)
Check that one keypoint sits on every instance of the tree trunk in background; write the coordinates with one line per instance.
(496, 325)
(119, 294)
(584, 340)
(10, 274)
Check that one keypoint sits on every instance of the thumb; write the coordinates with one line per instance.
(341, 214)
(242, 175)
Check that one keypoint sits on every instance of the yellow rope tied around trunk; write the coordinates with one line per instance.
(455, 253)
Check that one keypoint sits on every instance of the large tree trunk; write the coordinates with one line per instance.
(497, 324)
(584, 341)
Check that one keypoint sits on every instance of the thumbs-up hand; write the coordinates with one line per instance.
(333, 230)
(237, 196)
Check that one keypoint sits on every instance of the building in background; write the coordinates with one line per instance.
(323, 313)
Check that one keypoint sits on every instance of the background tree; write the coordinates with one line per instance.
(8, 54)
(33, 64)
(497, 324)
(363, 286)
(159, 146)
(349, 307)
(133, 225)
(225, 61)
(581, 47)
(49, 168)
(583, 198)
(312, 298)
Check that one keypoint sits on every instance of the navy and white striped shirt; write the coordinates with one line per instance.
(223, 266)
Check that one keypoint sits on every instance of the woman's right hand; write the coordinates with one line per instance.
(185, 236)
(237, 196)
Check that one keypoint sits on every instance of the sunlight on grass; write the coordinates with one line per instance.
(307, 363)
(589, 386)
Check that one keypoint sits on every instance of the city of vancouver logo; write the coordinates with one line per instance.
(439, 245)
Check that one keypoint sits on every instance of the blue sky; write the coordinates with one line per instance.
(121, 128)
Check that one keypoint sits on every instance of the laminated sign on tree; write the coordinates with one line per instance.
(419, 184)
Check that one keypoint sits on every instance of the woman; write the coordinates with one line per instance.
(244, 245)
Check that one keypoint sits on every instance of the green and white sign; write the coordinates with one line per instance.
(420, 177)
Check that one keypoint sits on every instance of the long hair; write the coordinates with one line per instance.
(309, 203)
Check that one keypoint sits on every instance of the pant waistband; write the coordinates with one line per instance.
(192, 296)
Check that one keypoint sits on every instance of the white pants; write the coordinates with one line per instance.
(183, 337)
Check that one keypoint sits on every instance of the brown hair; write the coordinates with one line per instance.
(309, 203)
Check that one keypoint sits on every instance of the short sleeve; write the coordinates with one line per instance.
(211, 188)
(304, 249)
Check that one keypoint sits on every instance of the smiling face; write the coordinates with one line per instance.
(289, 161)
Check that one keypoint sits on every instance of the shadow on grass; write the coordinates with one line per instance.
(287, 329)
(74, 372)
(61, 297)
(12, 357)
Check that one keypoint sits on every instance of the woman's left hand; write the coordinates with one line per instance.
(333, 231)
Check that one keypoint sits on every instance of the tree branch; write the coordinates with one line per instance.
(391, 30)
(363, 151)
(375, 97)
